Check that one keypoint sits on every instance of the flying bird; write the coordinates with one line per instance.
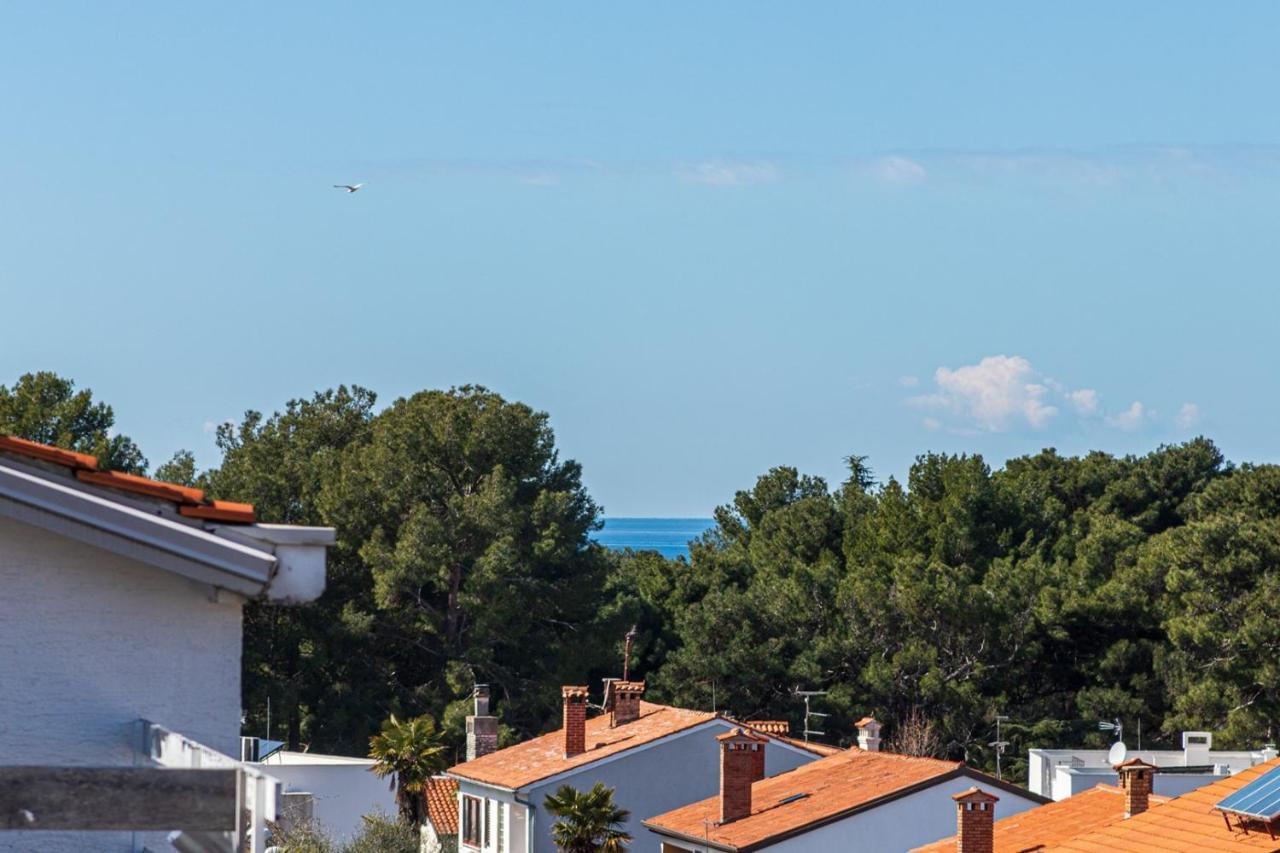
(348, 187)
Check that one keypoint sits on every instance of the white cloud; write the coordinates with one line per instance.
(932, 423)
(1085, 400)
(908, 381)
(896, 170)
(1188, 415)
(722, 173)
(996, 394)
(1131, 418)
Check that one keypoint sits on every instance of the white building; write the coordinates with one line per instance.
(339, 791)
(1060, 773)
(122, 603)
(655, 757)
(857, 801)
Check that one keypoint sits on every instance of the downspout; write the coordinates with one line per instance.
(528, 832)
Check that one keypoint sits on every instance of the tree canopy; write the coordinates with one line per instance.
(1057, 591)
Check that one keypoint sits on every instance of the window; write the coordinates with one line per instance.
(472, 822)
(502, 830)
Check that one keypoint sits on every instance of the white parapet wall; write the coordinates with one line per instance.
(343, 789)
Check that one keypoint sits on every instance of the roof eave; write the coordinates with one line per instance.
(180, 548)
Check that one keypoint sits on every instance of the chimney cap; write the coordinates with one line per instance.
(975, 795)
(628, 686)
(868, 723)
(739, 733)
(570, 691)
(1134, 763)
(773, 727)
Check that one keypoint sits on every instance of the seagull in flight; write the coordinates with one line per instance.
(348, 187)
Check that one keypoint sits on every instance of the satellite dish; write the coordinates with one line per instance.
(1117, 753)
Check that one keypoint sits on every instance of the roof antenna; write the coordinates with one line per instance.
(807, 695)
(626, 654)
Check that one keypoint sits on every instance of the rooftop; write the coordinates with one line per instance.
(543, 757)
(807, 796)
(1053, 823)
(1185, 824)
(442, 804)
(188, 501)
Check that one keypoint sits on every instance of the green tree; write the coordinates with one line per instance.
(587, 822)
(45, 407)
(476, 537)
(323, 667)
(1222, 576)
(409, 753)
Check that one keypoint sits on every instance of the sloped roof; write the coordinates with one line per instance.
(543, 757)
(1053, 823)
(806, 797)
(190, 502)
(442, 804)
(1185, 824)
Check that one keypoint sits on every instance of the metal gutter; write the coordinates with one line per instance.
(122, 529)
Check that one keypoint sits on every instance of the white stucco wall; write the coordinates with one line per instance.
(647, 782)
(90, 643)
(342, 789)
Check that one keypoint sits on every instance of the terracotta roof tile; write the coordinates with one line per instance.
(806, 795)
(1053, 823)
(47, 453)
(222, 511)
(541, 757)
(442, 804)
(143, 486)
(191, 501)
(1185, 824)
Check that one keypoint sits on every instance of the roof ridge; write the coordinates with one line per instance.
(191, 502)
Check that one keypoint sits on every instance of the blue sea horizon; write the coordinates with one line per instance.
(668, 536)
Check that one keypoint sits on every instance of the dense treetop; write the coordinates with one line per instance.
(1058, 591)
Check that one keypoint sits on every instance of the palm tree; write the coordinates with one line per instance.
(410, 752)
(589, 822)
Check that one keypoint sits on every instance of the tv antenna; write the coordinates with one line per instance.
(1113, 726)
(807, 695)
(999, 743)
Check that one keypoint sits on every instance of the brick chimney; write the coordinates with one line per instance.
(482, 729)
(575, 720)
(1136, 778)
(625, 696)
(868, 734)
(741, 752)
(975, 814)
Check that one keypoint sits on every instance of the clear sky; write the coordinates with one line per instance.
(707, 238)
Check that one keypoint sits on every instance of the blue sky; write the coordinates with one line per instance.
(708, 238)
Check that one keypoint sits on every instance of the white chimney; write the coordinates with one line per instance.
(868, 734)
(1196, 747)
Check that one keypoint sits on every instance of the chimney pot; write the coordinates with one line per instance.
(741, 755)
(975, 818)
(868, 734)
(1136, 778)
(575, 720)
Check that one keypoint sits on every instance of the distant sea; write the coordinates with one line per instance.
(667, 536)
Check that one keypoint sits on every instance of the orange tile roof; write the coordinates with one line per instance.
(441, 795)
(1185, 824)
(822, 790)
(541, 757)
(1053, 823)
(191, 502)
